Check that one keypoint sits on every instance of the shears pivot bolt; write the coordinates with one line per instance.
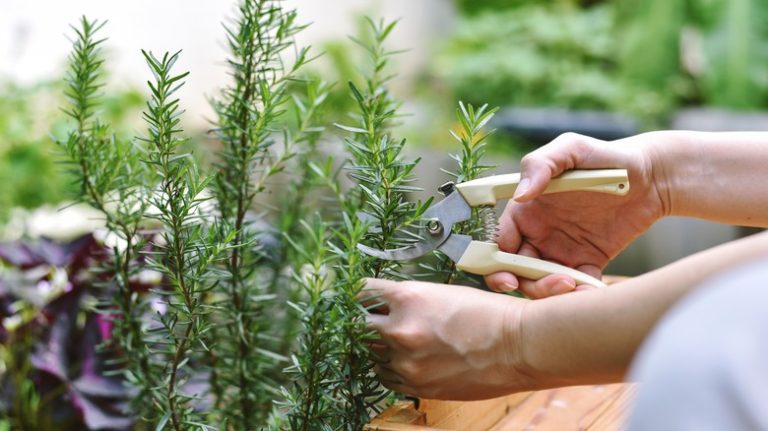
(434, 227)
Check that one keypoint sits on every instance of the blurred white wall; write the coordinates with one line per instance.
(34, 45)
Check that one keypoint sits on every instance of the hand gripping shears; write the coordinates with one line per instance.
(484, 257)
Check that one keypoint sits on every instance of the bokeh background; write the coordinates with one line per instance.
(607, 68)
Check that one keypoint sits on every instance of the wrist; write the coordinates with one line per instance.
(575, 339)
(522, 348)
(664, 151)
(680, 165)
(535, 353)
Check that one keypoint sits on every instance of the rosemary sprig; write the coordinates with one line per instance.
(306, 404)
(186, 253)
(473, 140)
(111, 175)
(249, 115)
(382, 180)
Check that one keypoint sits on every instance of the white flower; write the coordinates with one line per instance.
(63, 223)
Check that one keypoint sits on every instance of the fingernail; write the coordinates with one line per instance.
(564, 286)
(508, 287)
(522, 188)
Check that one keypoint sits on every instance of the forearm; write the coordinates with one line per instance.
(592, 336)
(715, 176)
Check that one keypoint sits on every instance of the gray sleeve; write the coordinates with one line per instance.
(705, 365)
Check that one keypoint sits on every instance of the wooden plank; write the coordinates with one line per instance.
(466, 415)
(571, 408)
(394, 426)
(402, 415)
(614, 417)
(594, 408)
(434, 415)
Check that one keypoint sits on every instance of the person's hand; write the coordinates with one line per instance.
(446, 341)
(582, 230)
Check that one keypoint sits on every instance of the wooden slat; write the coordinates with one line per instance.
(436, 415)
(465, 415)
(394, 426)
(614, 417)
(572, 408)
(400, 416)
(594, 408)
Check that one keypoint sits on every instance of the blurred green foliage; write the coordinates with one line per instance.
(644, 58)
(718, 46)
(534, 54)
(30, 175)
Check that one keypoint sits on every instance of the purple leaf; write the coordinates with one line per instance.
(70, 354)
(99, 415)
(47, 252)
(50, 357)
(18, 255)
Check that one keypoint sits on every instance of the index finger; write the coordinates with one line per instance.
(373, 295)
(567, 151)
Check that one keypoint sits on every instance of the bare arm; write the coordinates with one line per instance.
(455, 342)
(716, 176)
(592, 336)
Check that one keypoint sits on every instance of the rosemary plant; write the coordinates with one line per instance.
(381, 176)
(473, 141)
(306, 404)
(333, 383)
(376, 162)
(185, 253)
(111, 174)
(296, 206)
(249, 115)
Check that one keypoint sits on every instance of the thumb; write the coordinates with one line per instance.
(568, 151)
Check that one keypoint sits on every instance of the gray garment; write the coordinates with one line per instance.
(705, 366)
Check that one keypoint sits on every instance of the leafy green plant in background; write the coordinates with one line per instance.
(534, 55)
(642, 58)
(721, 62)
(29, 173)
(738, 37)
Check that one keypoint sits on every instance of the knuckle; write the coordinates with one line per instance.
(412, 371)
(570, 137)
(582, 145)
(407, 292)
(428, 392)
(409, 337)
(529, 159)
(575, 142)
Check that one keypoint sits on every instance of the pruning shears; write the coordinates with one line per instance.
(435, 228)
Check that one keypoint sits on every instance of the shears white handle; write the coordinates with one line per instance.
(485, 258)
(489, 190)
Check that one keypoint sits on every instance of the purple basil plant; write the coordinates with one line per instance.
(47, 293)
